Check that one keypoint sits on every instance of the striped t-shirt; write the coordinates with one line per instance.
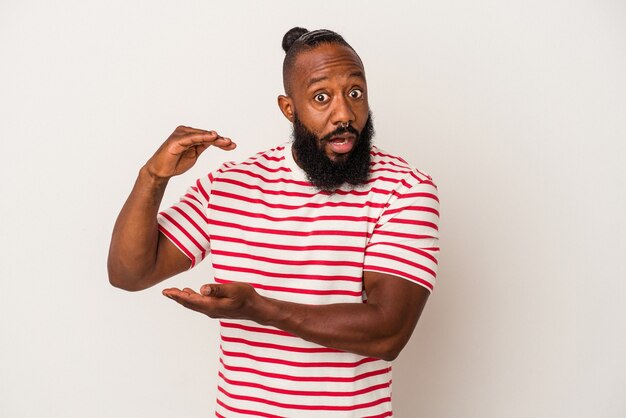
(261, 222)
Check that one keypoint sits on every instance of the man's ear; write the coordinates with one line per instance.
(286, 106)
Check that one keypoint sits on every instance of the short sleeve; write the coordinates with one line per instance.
(405, 240)
(185, 223)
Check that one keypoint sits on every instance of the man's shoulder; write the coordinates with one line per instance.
(276, 154)
(392, 165)
(270, 159)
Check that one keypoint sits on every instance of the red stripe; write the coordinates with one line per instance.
(264, 273)
(376, 151)
(264, 191)
(338, 364)
(388, 163)
(351, 192)
(428, 182)
(374, 170)
(279, 346)
(269, 170)
(292, 218)
(284, 262)
(266, 180)
(184, 231)
(201, 189)
(178, 244)
(195, 208)
(400, 274)
(271, 231)
(388, 179)
(256, 329)
(270, 151)
(298, 290)
(419, 194)
(303, 183)
(191, 221)
(424, 174)
(192, 197)
(403, 235)
(268, 158)
(402, 260)
(424, 179)
(288, 247)
(421, 251)
(305, 392)
(413, 222)
(305, 407)
(383, 415)
(292, 207)
(413, 208)
(247, 411)
(306, 378)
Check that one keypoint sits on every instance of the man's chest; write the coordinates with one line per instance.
(290, 244)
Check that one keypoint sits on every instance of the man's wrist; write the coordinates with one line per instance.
(146, 176)
(273, 312)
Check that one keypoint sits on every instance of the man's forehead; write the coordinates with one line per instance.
(327, 60)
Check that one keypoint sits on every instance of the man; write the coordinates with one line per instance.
(323, 250)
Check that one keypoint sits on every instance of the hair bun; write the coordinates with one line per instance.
(291, 36)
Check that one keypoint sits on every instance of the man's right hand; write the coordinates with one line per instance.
(181, 151)
(140, 256)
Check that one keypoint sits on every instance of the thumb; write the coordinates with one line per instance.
(213, 290)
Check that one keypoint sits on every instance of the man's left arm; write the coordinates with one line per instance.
(379, 328)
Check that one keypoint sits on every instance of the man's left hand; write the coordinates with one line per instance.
(229, 300)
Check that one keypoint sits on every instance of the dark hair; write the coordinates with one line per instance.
(292, 36)
(299, 39)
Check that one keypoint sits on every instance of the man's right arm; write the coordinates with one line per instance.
(139, 255)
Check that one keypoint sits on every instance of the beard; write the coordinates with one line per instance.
(325, 174)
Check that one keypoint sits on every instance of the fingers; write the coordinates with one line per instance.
(200, 139)
(186, 297)
(195, 301)
(181, 151)
(201, 135)
(226, 144)
(179, 295)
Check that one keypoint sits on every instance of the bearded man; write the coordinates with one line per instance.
(323, 249)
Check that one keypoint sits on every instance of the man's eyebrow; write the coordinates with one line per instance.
(315, 80)
(312, 81)
(359, 74)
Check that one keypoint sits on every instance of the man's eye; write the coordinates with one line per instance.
(356, 94)
(321, 98)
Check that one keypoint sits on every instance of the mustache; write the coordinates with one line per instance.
(341, 130)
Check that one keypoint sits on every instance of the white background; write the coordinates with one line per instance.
(516, 108)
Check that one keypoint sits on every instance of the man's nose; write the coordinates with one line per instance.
(342, 111)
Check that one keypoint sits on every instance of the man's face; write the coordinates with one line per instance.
(327, 91)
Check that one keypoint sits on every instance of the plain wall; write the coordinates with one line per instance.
(516, 108)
